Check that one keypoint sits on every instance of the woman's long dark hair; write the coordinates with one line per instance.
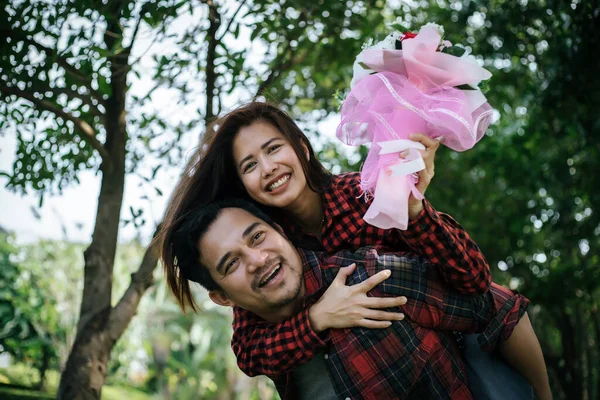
(211, 176)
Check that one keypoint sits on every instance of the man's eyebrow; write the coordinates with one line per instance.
(223, 260)
(265, 144)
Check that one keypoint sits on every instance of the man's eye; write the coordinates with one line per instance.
(230, 264)
(257, 236)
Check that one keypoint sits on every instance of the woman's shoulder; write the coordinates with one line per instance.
(346, 186)
(347, 181)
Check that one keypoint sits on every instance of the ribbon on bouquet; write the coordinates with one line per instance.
(384, 109)
(395, 183)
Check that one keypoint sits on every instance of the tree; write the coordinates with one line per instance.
(65, 75)
(525, 192)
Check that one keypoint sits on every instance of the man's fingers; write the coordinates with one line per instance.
(374, 280)
(343, 274)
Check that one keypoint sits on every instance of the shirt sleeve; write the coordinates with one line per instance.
(433, 304)
(264, 348)
(450, 249)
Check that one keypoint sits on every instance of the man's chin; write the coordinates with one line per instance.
(293, 296)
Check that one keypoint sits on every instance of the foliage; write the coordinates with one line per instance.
(527, 192)
(28, 316)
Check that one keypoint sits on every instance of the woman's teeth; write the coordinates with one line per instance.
(278, 183)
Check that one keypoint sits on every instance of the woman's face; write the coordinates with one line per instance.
(268, 166)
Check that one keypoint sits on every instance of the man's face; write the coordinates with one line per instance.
(256, 267)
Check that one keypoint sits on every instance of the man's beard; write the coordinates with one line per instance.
(290, 297)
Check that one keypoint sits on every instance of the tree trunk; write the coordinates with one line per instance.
(85, 372)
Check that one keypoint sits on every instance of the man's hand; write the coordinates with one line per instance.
(349, 306)
(431, 145)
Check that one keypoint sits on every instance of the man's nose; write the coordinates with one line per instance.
(256, 259)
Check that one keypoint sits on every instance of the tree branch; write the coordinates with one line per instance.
(51, 53)
(232, 20)
(211, 75)
(128, 304)
(137, 27)
(72, 94)
(86, 131)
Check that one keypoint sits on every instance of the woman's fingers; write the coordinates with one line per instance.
(369, 323)
(429, 143)
(380, 315)
(343, 274)
(384, 302)
(374, 280)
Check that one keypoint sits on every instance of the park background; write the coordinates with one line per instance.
(103, 101)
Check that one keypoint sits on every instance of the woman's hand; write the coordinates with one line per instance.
(344, 306)
(415, 206)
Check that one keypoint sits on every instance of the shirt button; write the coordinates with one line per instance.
(326, 356)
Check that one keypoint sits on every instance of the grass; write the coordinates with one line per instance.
(23, 375)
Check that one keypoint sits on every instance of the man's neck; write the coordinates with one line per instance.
(285, 312)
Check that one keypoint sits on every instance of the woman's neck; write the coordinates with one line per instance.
(307, 212)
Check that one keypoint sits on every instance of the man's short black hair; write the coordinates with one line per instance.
(192, 229)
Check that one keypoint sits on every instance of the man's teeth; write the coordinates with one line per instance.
(270, 277)
(280, 182)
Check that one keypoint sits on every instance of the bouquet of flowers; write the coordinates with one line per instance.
(405, 84)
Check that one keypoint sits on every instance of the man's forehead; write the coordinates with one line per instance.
(238, 217)
(233, 225)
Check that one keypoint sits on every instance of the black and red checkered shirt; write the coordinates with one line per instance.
(436, 236)
(410, 359)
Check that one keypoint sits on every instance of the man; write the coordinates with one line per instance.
(244, 260)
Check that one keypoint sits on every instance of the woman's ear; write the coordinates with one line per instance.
(306, 152)
(220, 298)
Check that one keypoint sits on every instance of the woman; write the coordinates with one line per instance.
(257, 151)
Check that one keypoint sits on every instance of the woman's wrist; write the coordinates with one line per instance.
(315, 318)
(415, 210)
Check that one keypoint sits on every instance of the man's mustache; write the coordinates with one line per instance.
(260, 272)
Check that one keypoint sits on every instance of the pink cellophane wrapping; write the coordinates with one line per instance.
(387, 106)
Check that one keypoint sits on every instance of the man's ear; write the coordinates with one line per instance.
(220, 298)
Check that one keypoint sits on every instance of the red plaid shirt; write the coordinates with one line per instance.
(436, 236)
(411, 359)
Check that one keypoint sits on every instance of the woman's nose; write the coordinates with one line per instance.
(269, 167)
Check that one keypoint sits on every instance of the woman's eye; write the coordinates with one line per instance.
(274, 147)
(249, 166)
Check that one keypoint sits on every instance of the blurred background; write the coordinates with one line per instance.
(102, 103)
